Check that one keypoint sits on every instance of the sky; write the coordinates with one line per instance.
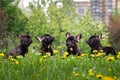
(24, 3)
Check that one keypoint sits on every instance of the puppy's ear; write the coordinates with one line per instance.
(39, 38)
(78, 37)
(100, 36)
(67, 35)
(19, 36)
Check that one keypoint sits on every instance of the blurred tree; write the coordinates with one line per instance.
(13, 20)
(16, 19)
(114, 29)
(3, 19)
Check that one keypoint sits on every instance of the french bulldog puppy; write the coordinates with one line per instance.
(94, 43)
(46, 44)
(22, 48)
(71, 43)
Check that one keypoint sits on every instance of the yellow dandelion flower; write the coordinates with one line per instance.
(118, 55)
(59, 47)
(107, 78)
(16, 62)
(103, 54)
(48, 54)
(66, 53)
(41, 59)
(44, 56)
(99, 76)
(98, 55)
(10, 57)
(64, 56)
(82, 55)
(92, 55)
(75, 74)
(101, 51)
(18, 57)
(1, 54)
(55, 51)
(79, 57)
(111, 58)
(95, 51)
(90, 72)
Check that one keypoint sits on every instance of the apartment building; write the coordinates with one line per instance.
(100, 9)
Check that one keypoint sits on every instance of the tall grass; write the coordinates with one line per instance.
(36, 67)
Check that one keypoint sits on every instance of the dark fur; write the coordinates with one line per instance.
(46, 44)
(71, 44)
(22, 49)
(94, 43)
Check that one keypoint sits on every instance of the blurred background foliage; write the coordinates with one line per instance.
(56, 21)
(114, 29)
(14, 24)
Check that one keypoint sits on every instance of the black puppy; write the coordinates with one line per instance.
(71, 44)
(22, 49)
(46, 44)
(94, 43)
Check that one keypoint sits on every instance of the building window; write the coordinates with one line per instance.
(81, 10)
(95, 9)
(110, 6)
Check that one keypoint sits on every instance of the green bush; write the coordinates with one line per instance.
(16, 21)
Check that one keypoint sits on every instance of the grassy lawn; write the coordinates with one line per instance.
(59, 67)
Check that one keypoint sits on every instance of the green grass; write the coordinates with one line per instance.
(37, 67)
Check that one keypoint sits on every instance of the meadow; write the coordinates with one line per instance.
(58, 21)
(59, 67)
